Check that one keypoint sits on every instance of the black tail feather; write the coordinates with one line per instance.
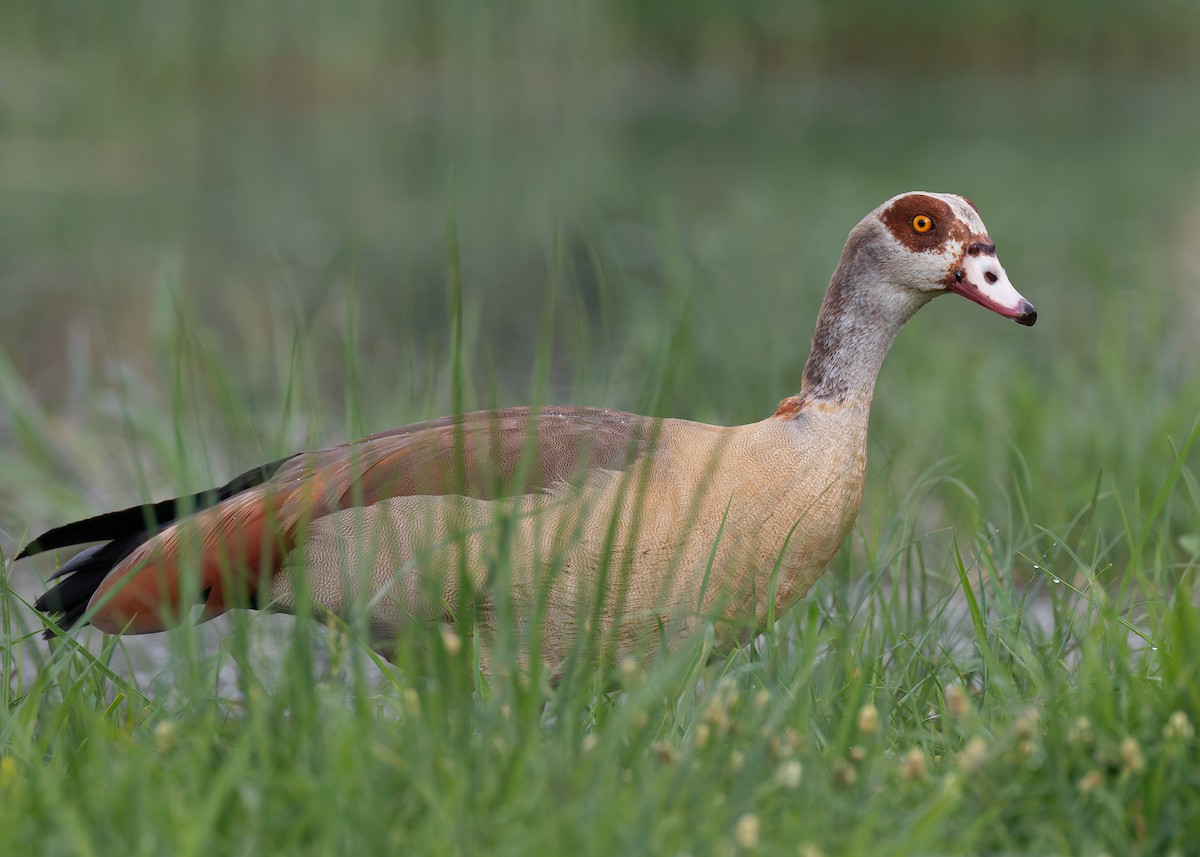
(111, 525)
(145, 518)
(76, 562)
(81, 577)
(122, 531)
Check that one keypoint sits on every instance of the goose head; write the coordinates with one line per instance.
(925, 244)
(899, 257)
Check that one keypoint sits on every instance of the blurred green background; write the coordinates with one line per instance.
(225, 229)
(229, 231)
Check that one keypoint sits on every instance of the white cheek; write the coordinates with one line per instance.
(931, 268)
(926, 270)
(986, 274)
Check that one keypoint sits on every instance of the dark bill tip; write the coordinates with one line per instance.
(1028, 316)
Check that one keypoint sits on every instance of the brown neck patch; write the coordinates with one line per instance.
(790, 407)
(947, 226)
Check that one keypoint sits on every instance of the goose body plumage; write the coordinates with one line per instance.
(644, 526)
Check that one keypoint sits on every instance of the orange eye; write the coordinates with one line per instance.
(922, 223)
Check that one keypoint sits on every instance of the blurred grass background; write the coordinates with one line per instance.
(225, 231)
(163, 161)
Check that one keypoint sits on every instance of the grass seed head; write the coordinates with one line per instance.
(451, 642)
(164, 735)
(1026, 725)
(631, 672)
(717, 713)
(868, 719)
(789, 774)
(1179, 727)
(746, 830)
(665, 752)
(412, 703)
(1080, 732)
(844, 774)
(1131, 756)
(914, 765)
(1026, 747)
(957, 702)
(973, 755)
(780, 747)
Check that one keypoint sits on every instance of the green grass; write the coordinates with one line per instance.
(237, 247)
(884, 716)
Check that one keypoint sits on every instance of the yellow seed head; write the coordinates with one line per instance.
(412, 703)
(957, 702)
(914, 766)
(1026, 725)
(665, 752)
(1179, 728)
(1026, 747)
(973, 755)
(718, 717)
(1131, 756)
(745, 832)
(451, 642)
(789, 774)
(631, 672)
(164, 736)
(1090, 781)
(777, 749)
(1080, 731)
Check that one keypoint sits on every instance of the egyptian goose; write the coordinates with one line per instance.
(636, 526)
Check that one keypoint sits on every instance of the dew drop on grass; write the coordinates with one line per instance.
(1056, 580)
(1154, 648)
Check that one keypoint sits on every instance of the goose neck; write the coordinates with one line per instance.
(860, 316)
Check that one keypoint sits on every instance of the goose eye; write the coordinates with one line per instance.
(922, 223)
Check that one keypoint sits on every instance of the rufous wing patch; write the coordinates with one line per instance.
(235, 545)
(238, 544)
